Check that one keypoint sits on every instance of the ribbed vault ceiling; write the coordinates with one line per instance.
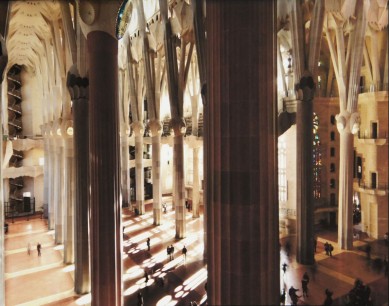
(29, 27)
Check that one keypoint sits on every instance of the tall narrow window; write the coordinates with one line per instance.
(374, 130)
(282, 182)
(373, 180)
(316, 159)
(332, 119)
(332, 183)
(332, 153)
(332, 136)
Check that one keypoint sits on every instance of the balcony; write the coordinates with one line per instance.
(377, 189)
(369, 138)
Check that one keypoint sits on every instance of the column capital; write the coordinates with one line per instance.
(67, 129)
(138, 128)
(155, 127)
(178, 125)
(98, 15)
(306, 87)
(56, 128)
(78, 86)
(348, 122)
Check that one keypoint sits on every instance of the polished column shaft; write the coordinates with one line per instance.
(82, 282)
(104, 146)
(242, 203)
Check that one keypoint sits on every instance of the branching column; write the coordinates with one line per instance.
(139, 170)
(78, 89)
(178, 127)
(125, 167)
(242, 205)
(156, 129)
(196, 178)
(58, 184)
(68, 192)
(304, 168)
(348, 119)
(46, 166)
(51, 185)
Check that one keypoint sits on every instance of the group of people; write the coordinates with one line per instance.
(359, 295)
(328, 248)
(293, 291)
(170, 252)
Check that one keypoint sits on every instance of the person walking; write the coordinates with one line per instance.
(304, 285)
(168, 251)
(172, 251)
(148, 243)
(330, 249)
(140, 299)
(38, 248)
(293, 295)
(288, 248)
(284, 266)
(327, 248)
(146, 277)
(328, 300)
(283, 297)
(184, 250)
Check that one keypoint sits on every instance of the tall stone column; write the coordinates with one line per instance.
(3, 64)
(304, 166)
(58, 184)
(51, 185)
(156, 129)
(68, 191)
(82, 282)
(347, 124)
(196, 179)
(104, 146)
(178, 126)
(139, 169)
(242, 202)
(46, 166)
(125, 168)
(78, 88)
(196, 184)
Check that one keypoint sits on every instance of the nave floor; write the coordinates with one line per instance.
(45, 280)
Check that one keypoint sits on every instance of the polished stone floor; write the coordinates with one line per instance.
(45, 280)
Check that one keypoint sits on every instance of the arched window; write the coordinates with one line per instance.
(316, 159)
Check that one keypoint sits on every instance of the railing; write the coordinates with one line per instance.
(287, 212)
(364, 185)
(369, 135)
(14, 77)
(166, 127)
(16, 93)
(19, 209)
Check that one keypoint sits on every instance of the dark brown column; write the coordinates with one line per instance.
(81, 222)
(304, 167)
(242, 197)
(104, 156)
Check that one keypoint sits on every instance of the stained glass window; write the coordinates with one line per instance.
(317, 162)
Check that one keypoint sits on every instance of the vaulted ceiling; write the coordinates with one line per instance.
(30, 25)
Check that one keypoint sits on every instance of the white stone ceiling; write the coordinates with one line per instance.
(29, 27)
